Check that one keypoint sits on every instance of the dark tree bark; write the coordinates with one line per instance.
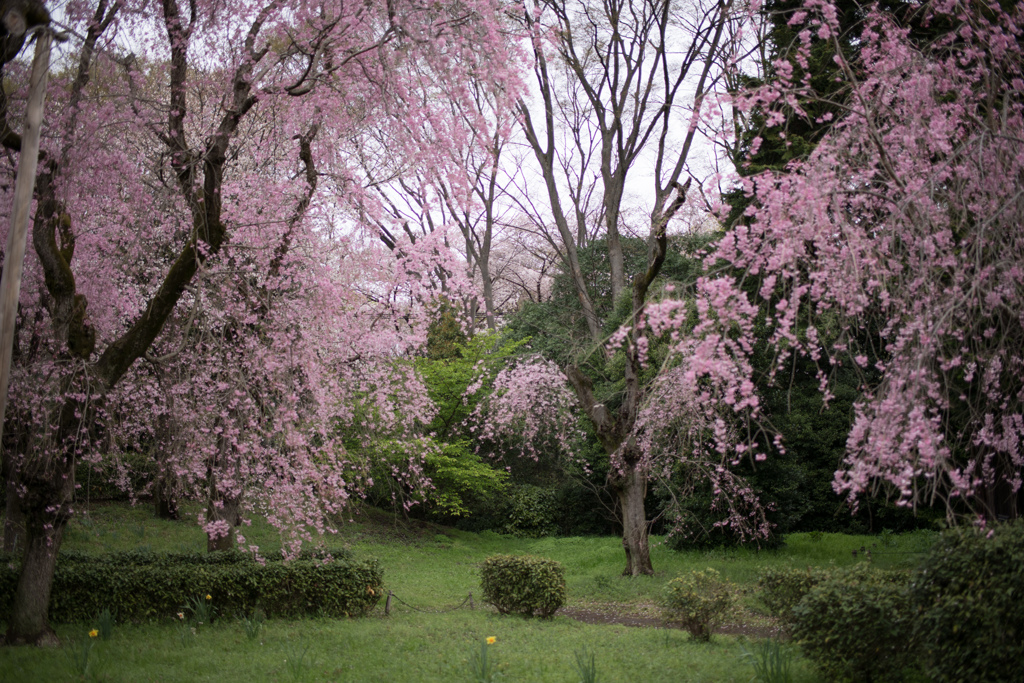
(47, 473)
(165, 499)
(14, 519)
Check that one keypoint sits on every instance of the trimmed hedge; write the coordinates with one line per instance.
(523, 584)
(137, 586)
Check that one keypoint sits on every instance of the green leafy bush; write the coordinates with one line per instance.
(523, 584)
(968, 596)
(698, 602)
(461, 479)
(142, 586)
(856, 625)
(530, 512)
(783, 588)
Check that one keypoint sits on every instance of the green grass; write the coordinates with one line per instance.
(403, 647)
(434, 568)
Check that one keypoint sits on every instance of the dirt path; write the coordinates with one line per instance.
(610, 615)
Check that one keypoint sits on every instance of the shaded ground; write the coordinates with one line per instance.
(609, 614)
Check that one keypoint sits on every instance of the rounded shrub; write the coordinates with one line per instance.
(698, 602)
(856, 625)
(968, 596)
(523, 584)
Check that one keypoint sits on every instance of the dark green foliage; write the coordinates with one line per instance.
(566, 507)
(100, 481)
(584, 506)
(529, 512)
(857, 625)
(799, 481)
(557, 328)
(145, 586)
(783, 588)
(969, 602)
(444, 334)
(698, 602)
(523, 584)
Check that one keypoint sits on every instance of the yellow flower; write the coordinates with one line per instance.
(370, 590)
(490, 640)
(209, 597)
(93, 633)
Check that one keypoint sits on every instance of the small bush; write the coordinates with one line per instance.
(968, 598)
(522, 584)
(857, 625)
(144, 586)
(698, 602)
(783, 588)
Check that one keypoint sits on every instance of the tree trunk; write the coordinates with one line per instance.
(632, 490)
(14, 521)
(165, 503)
(28, 623)
(46, 480)
(485, 274)
(229, 511)
(225, 503)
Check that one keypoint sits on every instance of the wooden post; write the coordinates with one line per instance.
(24, 186)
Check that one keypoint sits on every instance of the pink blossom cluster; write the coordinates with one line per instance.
(530, 411)
(290, 343)
(895, 249)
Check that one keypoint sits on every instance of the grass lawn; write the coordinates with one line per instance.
(433, 568)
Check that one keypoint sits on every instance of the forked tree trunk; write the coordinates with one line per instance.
(632, 490)
(631, 484)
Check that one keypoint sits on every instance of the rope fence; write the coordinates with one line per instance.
(392, 596)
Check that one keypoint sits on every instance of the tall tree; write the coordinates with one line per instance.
(172, 174)
(620, 82)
